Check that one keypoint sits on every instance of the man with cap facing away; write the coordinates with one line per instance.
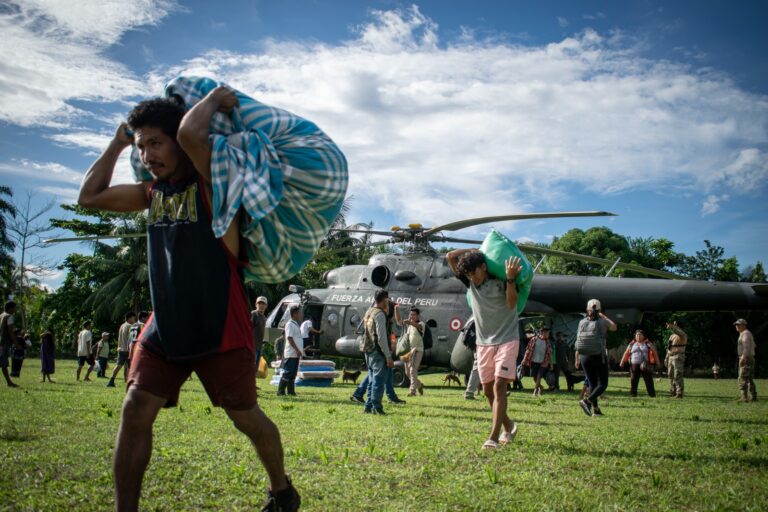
(675, 360)
(746, 349)
(259, 321)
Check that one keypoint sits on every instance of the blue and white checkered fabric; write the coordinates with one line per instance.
(289, 177)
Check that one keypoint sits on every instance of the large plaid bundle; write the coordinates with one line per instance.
(289, 177)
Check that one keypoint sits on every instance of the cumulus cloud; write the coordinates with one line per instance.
(712, 204)
(58, 56)
(436, 128)
(41, 171)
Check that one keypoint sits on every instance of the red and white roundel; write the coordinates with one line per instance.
(455, 323)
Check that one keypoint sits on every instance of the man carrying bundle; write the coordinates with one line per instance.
(494, 308)
(191, 273)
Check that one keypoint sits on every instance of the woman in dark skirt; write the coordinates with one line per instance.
(47, 356)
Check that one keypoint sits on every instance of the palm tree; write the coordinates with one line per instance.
(7, 209)
(125, 267)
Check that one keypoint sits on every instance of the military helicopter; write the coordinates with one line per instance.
(420, 277)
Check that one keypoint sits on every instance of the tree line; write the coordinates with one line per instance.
(112, 278)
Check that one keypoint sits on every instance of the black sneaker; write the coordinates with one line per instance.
(287, 500)
(111, 384)
(586, 406)
(357, 399)
(397, 401)
(596, 411)
(379, 412)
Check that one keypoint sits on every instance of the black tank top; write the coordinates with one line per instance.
(199, 300)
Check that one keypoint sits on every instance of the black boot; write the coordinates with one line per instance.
(281, 387)
(292, 388)
(287, 500)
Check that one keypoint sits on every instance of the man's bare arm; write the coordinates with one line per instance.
(194, 128)
(295, 346)
(512, 268)
(95, 191)
(453, 258)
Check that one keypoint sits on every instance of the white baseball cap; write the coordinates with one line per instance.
(262, 299)
(594, 304)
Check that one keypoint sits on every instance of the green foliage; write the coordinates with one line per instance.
(61, 436)
(599, 241)
(7, 212)
(710, 265)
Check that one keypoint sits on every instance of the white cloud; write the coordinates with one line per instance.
(434, 129)
(61, 194)
(563, 22)
(41, 171)
(53, 55)
(712, 204)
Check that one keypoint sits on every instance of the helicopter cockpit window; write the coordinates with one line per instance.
(333, 319)
(285, 317)
(354, 320)
(380, 275)
(277, 315)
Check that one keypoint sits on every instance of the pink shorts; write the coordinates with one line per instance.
(497, 361)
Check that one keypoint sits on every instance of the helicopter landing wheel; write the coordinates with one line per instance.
(399, 378)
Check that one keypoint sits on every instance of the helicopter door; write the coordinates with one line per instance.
(314, 313)
(352, 318)
(333, 324)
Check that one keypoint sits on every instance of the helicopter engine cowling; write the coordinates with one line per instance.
(461, 356)
(348, 346)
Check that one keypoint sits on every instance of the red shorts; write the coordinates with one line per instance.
(229, 378)
(497, 361)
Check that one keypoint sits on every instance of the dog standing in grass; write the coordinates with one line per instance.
(350, 376)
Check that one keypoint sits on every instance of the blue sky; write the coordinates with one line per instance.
(657, 111)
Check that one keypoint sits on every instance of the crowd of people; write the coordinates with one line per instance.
(195, 268)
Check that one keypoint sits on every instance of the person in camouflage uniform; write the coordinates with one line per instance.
(675, 360)
(746, 350)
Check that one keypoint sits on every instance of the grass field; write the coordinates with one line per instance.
(706, 452)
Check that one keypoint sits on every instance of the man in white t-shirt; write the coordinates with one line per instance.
(307, 330)
(123, 347)
(84, 354)
(294, 350)
(102, 355)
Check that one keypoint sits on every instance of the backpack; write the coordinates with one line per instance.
(369, 340)
(427, 337)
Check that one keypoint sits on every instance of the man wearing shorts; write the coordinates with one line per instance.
(494, 307)
(123, 347)
(85, 351)
(192, 274)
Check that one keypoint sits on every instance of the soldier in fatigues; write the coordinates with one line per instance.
(675, 360)
(746, 348)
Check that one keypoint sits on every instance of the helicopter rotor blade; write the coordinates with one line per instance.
(602, 261)
(363, 246)
(368, 231)
(91, 238)
(438, 238)
(453, 226)
(570, 255)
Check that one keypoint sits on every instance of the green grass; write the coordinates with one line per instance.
(706, 452)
